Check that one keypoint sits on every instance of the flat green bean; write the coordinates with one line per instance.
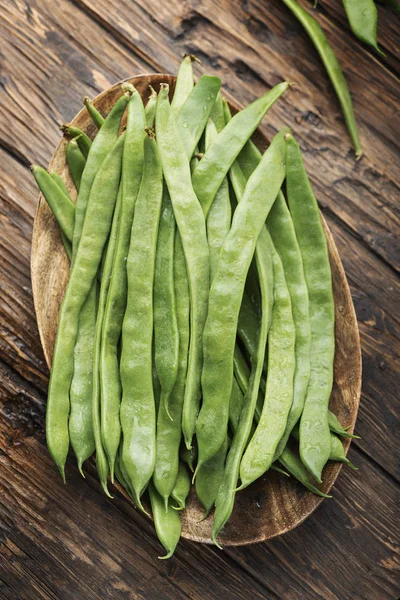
(209, 478)
(137, 413)
(110, 382)
(192, 230)
(184, 82)
(336, 427)
(332, 67)
(363, 20)
(314, 428)
(167, 523)
(76, 162)
(261, 450)
(83, 272)
(226, 295)
(83, 140)
(181, 487)
(295, 467)
(95, 115)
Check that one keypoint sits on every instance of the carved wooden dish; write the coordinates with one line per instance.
(274, 504)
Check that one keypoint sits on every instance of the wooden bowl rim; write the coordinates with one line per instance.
(188, 533)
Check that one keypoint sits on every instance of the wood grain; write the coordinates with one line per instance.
(52, 55)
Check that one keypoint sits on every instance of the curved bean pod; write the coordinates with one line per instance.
(167, 523)
(295, 467)
(184, 82)
(181, 487)
(95, 115)
(137, 413)
(226, 295)
(315, 439)
(209, 478)
(83, 140)
(332, 67)
(336, 427)
(192, 230)
(337, 450)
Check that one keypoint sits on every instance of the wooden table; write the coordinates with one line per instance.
(71, 542)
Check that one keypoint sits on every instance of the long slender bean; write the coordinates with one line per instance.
(314, 428)
(192, 230)
(332, 67)
(137, 413)
(261, 450)
(132, 167)
(99, 210)
(184, 82)
(226, 294)
(95, 115)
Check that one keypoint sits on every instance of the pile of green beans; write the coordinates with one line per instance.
(196, 337)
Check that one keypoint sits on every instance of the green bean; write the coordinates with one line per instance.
(100, 416)
(60, 204)
(94, 236)
(192, 230)
(110, 382)
(283, 235)
(196, 111)
(60, 182)
(94, 114)
(336, 427)
(226, 294)
(76, 162)
(181, 487)
(137, 413)
(166, 334)
(167, 524)
(226, 493)
(337, 450)
(102, 145)
(184, 82)
(215, 164)
(150, 110)
(219, 216)
(209, 478)
(83, 140)
(314, 429)
(332, 67)
(363, 20)
(261, 450)
(80, 424)
(295, 467)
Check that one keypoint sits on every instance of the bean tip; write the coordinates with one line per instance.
(128, 89)
(86, 100)
(152, 135)
(153, 93)
(192, 58)
(164, 86)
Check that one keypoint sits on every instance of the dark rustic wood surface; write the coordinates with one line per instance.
(70, 542)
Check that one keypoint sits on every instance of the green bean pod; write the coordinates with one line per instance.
(209, 478)
(60, 182)
(261, 450)
(226, 295)
(188, 456)
(184, 82)
(295, 467)
(167, 523)
(59, 202)
(336, 427)
(193, 115)
(101, 146)
(137, 413)
(337, 450)
(315, 439)
(166, 334)
(76, 162)
(181, 488)
(192, 230)
(150, 110)
(103, 465)
(110, 381)
(83, 140)
(94, 114)
(213, 167)
(235, 405)
(83, 272)
(363, 20)
(332, 67)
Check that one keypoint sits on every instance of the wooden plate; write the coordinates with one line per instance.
(274, 504)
